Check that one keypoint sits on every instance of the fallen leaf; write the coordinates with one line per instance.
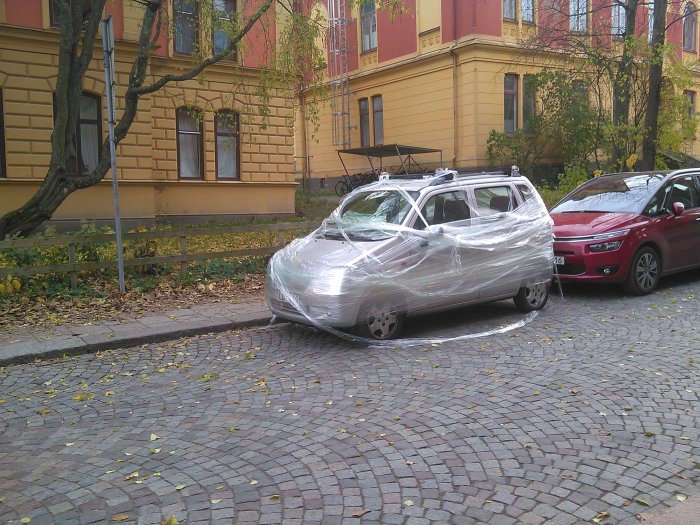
(642, 502)
(215, 501)
(408, 503)
(253, 481)
(131, 476)
(180, 487)
(70, 444)
(83, 396)
(360, 513)
(171, 520)
(25, 520)
(681, 497)
(154, 437)
(600, 517)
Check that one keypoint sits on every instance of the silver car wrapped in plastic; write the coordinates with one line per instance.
(402, 247)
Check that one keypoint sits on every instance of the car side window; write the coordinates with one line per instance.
(525, 192)
(656, 204)
(442, 208)
(494, 199)
(685, 191)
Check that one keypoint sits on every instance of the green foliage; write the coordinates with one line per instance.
(314, 206)
(572, 177)
(519, 148)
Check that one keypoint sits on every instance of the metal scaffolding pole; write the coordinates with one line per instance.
(338, 71)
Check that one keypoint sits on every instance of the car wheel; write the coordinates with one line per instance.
(532, 297)
(644, 272)
(381, 321)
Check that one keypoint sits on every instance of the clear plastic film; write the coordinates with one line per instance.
(395, 249)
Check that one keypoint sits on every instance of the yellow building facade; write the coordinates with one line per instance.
(447, 73)
(257, 178)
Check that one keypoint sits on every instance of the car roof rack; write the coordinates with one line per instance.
(445, 175)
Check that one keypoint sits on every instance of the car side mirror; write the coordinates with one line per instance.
(677, 208)
(435, 229)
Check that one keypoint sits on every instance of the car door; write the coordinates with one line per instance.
(494, 224)
(443, 270)
(683, 231)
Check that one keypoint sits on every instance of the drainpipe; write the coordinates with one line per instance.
(455, 111)
(305, 183)
(453, 54)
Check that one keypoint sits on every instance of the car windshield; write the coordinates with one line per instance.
(618, 193)
(380, 206)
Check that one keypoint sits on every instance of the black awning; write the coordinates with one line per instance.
(405, 153)
(388, 150)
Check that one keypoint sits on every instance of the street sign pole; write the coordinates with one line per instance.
(108, 45)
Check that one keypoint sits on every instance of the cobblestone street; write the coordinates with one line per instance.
(587, 414)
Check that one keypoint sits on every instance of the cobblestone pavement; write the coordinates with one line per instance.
(588, 414)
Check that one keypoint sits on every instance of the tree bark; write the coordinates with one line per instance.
(651, 128)
(623, 81)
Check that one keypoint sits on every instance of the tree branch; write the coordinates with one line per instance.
(192, 73)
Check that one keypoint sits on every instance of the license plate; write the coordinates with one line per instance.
(283, 298)
(559, 260)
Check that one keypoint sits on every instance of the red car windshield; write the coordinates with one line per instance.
(618, 193)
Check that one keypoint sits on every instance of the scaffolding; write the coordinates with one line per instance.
(338, 71)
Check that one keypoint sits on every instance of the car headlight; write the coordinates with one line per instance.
(329, 282)
(605, 246)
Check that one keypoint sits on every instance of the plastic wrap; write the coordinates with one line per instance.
(391, 251)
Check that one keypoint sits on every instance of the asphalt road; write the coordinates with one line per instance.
(587, 414)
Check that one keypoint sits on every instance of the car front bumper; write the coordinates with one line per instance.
(575, 262)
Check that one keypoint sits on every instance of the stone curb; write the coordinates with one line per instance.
(27, 352)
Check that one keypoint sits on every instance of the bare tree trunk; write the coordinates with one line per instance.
(622, 85)
(651, 127)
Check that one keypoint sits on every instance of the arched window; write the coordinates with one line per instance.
(690, 22)
(226, 124)
(189, 143)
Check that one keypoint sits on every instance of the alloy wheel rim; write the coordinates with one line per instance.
(381, 323)
(647, 271)
(535, 293)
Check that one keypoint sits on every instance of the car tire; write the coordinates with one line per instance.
(644, 273)
(380, 321)
(532, 297)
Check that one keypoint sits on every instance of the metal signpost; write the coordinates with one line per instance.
(108, 45)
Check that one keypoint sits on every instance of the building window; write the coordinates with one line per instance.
(3, 173)
(185, 22)
(650, 8)
(227, 145)
(510, 103)
(529, 96)
(378, 120)
(364, 122)
(619, 19)
(509, 9)
(578, 15)
(189, 143)
(527, 11)
(224, 11)
(690, 95)
(54, 13)
(368, 26)
(88, 133)
(690, 21)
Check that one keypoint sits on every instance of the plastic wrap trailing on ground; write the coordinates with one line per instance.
(364, 260)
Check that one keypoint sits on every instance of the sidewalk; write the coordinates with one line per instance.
(103, 335)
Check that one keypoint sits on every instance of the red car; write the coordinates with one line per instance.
(629, 228)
